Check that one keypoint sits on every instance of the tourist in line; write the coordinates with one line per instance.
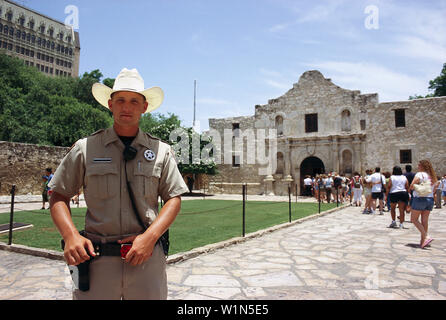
(307, 186)
(315, 184)
(367, 185)
(409, 175)
(378, 183)
(337, 183)
(356, 186)
(422, 205)
(321, 186)
(398, 194)
(443, 189)
(385, 191)
(46, 191)
(328, 182)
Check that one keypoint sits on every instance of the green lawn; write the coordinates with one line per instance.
(200, 222)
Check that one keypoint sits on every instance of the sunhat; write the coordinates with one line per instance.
(128, 80)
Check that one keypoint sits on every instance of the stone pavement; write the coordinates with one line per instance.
(342, 255)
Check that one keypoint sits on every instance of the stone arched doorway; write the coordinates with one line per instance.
(310, 166)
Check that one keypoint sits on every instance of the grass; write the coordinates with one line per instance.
(199, 223)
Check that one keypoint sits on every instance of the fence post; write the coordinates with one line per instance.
(289, 202)
(296, 192)
(244, 202)
(11, 216)
(337, 197)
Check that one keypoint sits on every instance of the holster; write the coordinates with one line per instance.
(80, 273)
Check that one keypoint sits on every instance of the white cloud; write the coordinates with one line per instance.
(415, 47)
(371, 78)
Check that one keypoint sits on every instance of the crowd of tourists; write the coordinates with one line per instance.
(376, 191)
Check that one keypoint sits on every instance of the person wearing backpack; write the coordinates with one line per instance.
(356, 185)
(423, 199)
(337, 183)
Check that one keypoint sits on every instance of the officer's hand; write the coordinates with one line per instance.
(141, 249)
(75, 251)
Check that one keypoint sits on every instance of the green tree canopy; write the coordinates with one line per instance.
(35, 108)
(438, 85)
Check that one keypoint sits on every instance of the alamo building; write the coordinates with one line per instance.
(322, 127)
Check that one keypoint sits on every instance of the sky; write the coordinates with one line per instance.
(244, 52)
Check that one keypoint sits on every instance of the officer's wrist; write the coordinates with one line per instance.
(150, 236)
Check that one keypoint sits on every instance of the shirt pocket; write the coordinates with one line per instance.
(147, 179)
(102, 180)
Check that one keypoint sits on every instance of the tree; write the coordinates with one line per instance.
(38, 109)
(438, 85)
(162, 126)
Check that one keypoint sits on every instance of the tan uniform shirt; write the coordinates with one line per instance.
(96, 163)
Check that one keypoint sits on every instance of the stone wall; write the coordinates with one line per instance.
(24, 165)
(424, 134)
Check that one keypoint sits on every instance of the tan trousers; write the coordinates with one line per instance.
(113, 279)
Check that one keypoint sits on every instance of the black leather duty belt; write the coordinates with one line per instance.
(112, 249)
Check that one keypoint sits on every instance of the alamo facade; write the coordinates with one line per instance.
(322, 127)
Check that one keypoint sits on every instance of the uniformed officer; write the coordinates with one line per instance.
(121, 193)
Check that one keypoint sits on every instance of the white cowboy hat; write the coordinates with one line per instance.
(128, 80)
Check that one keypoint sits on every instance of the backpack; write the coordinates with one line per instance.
(337, 182)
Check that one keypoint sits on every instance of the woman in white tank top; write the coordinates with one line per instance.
(398, 193)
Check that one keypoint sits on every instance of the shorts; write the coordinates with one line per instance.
(367, 192)
(45, 196)
(377, 195)
(422, 204)
(443, 193)
(401, 196)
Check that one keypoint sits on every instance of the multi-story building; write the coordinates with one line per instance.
(42, 42)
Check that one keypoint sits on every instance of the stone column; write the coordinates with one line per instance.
(287, 159)
(357, 154)
(335, 153)
(268, 185)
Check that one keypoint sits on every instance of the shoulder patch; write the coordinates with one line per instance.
(154, 138)
(99, 131)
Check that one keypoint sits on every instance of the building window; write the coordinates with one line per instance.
(362, 124)
(31, 24)
(22, 21)
(311, 122)
(236, 161)
(400, 118)
(235, 126)
(405, 156)
(9, 16)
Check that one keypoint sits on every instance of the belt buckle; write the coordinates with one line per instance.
(125, 247)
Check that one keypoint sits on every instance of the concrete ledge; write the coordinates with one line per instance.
(44, 253)
(181, 256)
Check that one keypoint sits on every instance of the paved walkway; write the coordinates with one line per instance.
(342, 255)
